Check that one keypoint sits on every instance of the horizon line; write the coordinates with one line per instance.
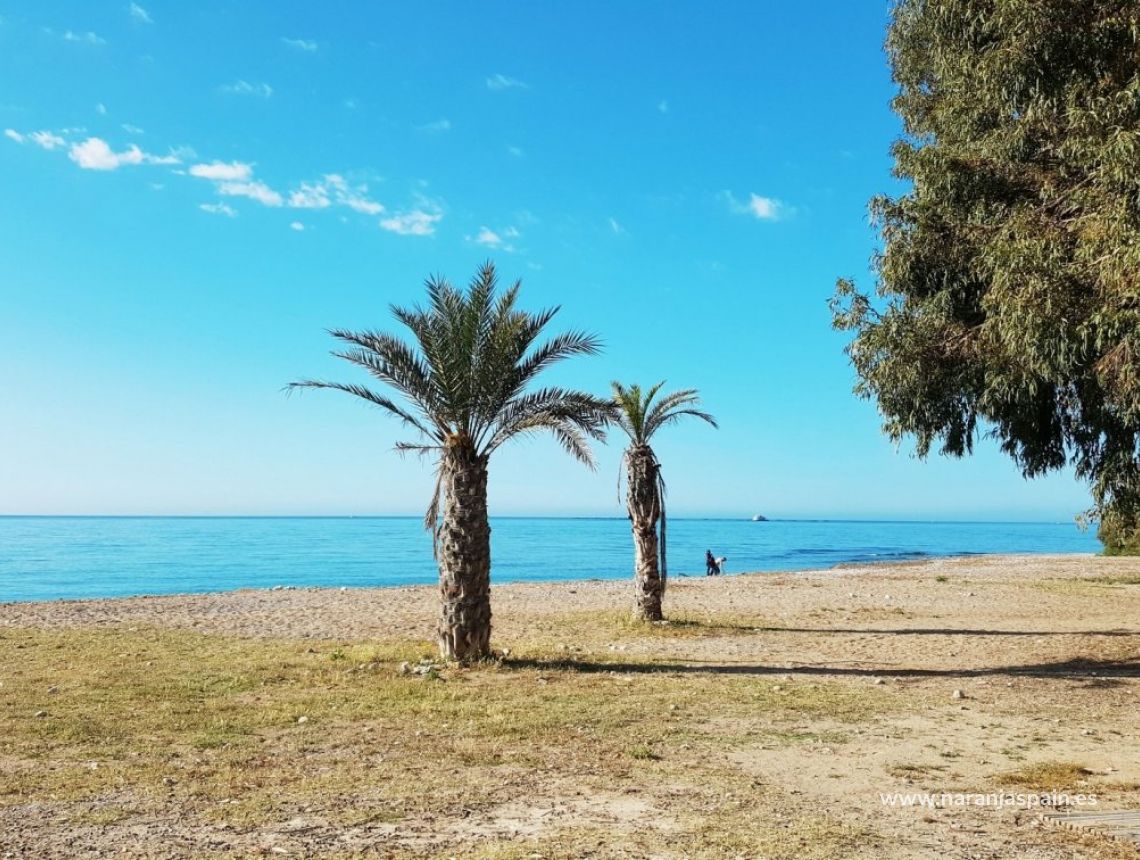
(923, 521)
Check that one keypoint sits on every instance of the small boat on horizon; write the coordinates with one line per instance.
(759, 518)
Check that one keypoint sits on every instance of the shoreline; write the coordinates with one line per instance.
(838, 568)
(410, 611)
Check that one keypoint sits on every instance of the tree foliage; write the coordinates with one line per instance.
(468, 373)
(1009, 275)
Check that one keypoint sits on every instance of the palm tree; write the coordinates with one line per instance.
(466, 386)
(640, 417)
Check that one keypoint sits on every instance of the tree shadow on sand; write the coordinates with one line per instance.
(1076, 668)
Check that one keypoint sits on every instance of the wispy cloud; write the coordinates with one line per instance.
(46, 139)
(94, 153)
(230, 171)
(254, 190)
(663, 106)
(503, 82)
(617, 229)
(419, 221)
(235, 179)
(132, 129)
(87, 38)
(499, 240)
(101, 109)
(139, 14)
(437, 127)
(245, 88)
(219, 209)
(516, 151)
(298, 226)
(43, 139)
(761, 208)
(334, 189)
(488, 237)
(311, 195)
(306, 45)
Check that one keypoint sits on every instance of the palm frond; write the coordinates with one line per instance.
(669, 409)
(364, 394)
(676, 415)
(404, 448)
(552, 409)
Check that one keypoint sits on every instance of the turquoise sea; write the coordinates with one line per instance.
(49, 558)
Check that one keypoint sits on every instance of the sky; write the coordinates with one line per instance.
(194, 192)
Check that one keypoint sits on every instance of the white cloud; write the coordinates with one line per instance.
(254, 190)
(488, 237)
(245, 88)
(139, 14)
(414, 222)
(616, 227)
(43, 139)
(497, 239)
(46, 139)
(233, 171)
(502, 82)
(355, 198)
(765, 208)
(235, 179)
(101, 109)
(761, 208)
(305, 45)
(334, 188)
(311, 195)
(96, 154)
(172, 158)
(663, 106)
(87, 38)
(298, 226)
(132, 129)
(219, 209)
(440, 125)
(516, 151)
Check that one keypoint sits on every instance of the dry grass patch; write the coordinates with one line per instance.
(1047, 776)
(113, 726)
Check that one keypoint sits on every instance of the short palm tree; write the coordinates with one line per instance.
(640, 418)
(466, 386)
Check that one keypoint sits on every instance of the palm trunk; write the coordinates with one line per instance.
(643, 501)
(464, 554)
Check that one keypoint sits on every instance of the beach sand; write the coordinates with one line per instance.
(1002, 673)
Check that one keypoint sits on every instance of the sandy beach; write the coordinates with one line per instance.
(981, 674)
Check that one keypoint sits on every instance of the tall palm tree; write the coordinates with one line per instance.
(466, 385)
(640, 418)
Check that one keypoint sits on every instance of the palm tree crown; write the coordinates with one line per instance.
(639, 417)
(465, 379)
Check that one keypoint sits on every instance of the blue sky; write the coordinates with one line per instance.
(194, 192)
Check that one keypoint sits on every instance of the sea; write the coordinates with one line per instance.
(57, 558)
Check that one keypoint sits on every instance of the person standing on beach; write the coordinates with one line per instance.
(712, 567)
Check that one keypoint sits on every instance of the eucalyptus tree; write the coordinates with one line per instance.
(1008, 287)
(639, 417)
(465, 381)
